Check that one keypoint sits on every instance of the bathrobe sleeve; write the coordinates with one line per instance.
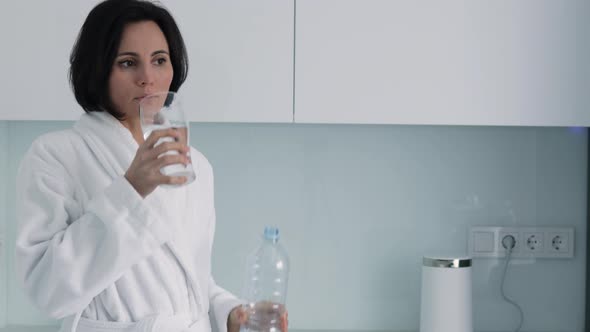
(65, 256)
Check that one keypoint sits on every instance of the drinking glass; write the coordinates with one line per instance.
(163, 110)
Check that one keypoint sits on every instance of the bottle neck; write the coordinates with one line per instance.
(271, 240)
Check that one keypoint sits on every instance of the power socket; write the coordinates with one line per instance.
(531, 242)
(559, 243)
(517, 242)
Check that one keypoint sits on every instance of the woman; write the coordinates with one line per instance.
(99, 242)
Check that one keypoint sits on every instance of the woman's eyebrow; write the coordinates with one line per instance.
(160, 52)
(127, 53)
(136, 54)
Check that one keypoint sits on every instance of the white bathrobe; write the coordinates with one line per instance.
(89, 245)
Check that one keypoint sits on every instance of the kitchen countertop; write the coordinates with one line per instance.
(46, 328)
(29, 328)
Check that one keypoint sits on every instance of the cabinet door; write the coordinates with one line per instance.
(241, 59)
(466, 62)
(240, 55)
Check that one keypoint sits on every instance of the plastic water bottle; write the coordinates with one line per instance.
(265, 288)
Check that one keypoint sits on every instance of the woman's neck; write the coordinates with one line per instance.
(134, 126)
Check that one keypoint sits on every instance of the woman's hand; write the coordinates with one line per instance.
(144, 172)
(239, 315)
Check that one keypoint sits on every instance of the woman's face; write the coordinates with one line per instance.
(142, 66)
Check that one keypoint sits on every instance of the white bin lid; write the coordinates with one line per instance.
(452, 263)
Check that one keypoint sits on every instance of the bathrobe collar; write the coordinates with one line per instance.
(111, 142)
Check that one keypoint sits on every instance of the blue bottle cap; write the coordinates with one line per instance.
(271, 233)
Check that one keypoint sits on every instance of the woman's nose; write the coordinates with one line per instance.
(145, 76)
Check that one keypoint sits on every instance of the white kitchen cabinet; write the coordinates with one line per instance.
(462, 62)
(241, 59)
(241, 55)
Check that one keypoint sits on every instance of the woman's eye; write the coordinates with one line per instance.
(126, 63)
(161, 61)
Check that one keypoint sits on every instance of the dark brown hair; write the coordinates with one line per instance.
(95, 50)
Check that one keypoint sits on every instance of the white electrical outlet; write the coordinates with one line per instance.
(515, 234)
(560, 243)
(531, 242)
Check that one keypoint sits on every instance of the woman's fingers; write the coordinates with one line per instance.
(285, 321)
(241, 315)
(169, 159)
(237, 317)
(160, 149)
(172, 180)
(166, 147)
(158, 177)
(156, 135)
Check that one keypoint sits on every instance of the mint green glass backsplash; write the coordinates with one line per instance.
(3, 218)
(358, 206)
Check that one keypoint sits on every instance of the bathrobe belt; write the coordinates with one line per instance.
(154, 323)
